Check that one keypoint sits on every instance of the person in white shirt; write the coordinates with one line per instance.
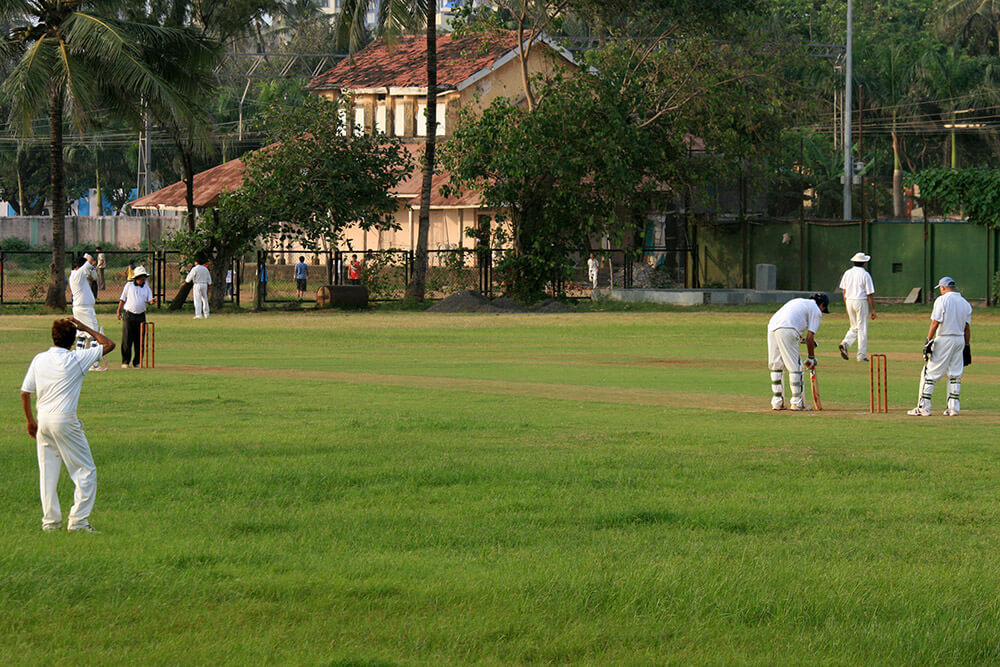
(132, 313)
(84, 271)
(229, 283)
(947, 349)
(56, 377)
(857, 286)
(201, 278)
(795, 319)
(592, 266)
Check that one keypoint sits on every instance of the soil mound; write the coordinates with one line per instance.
(552, 306)
(508, 305)
(466, 301)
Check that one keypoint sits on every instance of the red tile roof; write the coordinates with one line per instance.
(208, 185)
(404, 64)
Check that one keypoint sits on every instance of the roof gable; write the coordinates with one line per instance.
(461, 62)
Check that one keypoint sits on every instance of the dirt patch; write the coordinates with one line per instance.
(552, 306)
(466, 301)
(509, 305)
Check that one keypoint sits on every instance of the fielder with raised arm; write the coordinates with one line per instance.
(796, 319)
(56, 377)
(857, 285)
(947, 349)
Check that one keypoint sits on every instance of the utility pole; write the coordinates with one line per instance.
(142, 181)
(848, 83)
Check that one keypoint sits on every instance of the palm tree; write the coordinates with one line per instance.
(887, 72)
(393, 18)
(976, 21)
(73, 59)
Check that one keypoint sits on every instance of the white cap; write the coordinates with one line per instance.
(861, 257)
(87, 257)
(139, 272)
(946, 282)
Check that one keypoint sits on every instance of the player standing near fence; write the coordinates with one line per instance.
(785, 330)
(132, 312)
(56, 377)
(201, 278)
(947, 349)
(857, 285)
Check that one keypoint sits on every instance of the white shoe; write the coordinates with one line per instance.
(779, 406)
(919, 412)
(800, 408)
(862, 358)
(124, 365)
(950, 413)
(85, 528)
(51, 527)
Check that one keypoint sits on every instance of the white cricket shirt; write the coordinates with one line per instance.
(953, 312)
(199, 275)
(78, 285)
(798, 314)
(593, 264)
(56, 377)
(857, 283)
(136, 298)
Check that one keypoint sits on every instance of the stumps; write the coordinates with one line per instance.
(878, 378)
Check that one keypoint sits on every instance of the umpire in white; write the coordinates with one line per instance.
(947, 349)
(56, 377)
(857, 285)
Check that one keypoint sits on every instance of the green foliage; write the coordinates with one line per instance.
(974, 193)
(996, 288)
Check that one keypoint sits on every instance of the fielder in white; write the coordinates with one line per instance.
(857, 285)
(202, 278)
(56, 377)
(797, 318)
(947, 349)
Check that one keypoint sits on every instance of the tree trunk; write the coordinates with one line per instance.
(523, 54)
(898, 208)
(56, 296)
(417, 288)
(182, 294)
(188, 187)
(220, 264)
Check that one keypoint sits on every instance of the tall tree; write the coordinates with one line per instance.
(394, 18)
(74, 58)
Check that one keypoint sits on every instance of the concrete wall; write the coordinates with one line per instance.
(120, 231)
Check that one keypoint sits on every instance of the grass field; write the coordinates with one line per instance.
(403, 488)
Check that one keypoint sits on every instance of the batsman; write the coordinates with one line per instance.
(796, 319)
(947, 349)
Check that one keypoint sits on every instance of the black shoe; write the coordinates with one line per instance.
(843, 351)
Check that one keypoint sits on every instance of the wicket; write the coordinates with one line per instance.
(147, 345)
(878, 395)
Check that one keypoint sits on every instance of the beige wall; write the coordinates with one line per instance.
(447, 230)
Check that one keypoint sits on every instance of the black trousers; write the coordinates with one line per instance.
(131, 339)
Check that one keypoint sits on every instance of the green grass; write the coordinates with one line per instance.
(399, 488)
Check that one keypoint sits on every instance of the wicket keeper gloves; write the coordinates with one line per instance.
(967, 355)
(928, 349)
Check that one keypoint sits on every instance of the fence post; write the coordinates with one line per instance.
(2, 258)
(237, 270)
(329, 267)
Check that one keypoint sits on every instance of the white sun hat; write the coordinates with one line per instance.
(139, 272)
(861, 257)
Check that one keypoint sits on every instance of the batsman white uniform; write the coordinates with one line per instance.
(201, 277)
(857, 284)
(56, 377)
(592, 266)
(784, 332)
(954, 313)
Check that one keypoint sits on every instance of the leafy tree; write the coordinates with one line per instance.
(309, 184)
(71, 56)
(974, 192)
(394, 18)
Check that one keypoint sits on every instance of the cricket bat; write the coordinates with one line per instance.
(817, 405)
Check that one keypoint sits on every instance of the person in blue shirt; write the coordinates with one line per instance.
(301, 274)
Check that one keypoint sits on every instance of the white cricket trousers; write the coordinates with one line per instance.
(783, 355)
(61, 441)
(200, 300)
(857, 314)
(946, 359)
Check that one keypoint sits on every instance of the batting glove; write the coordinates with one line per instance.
(928, 349)
(810, 362)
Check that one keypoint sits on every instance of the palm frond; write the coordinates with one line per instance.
(27, 86)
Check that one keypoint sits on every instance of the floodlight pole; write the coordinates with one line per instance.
(848, 84)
